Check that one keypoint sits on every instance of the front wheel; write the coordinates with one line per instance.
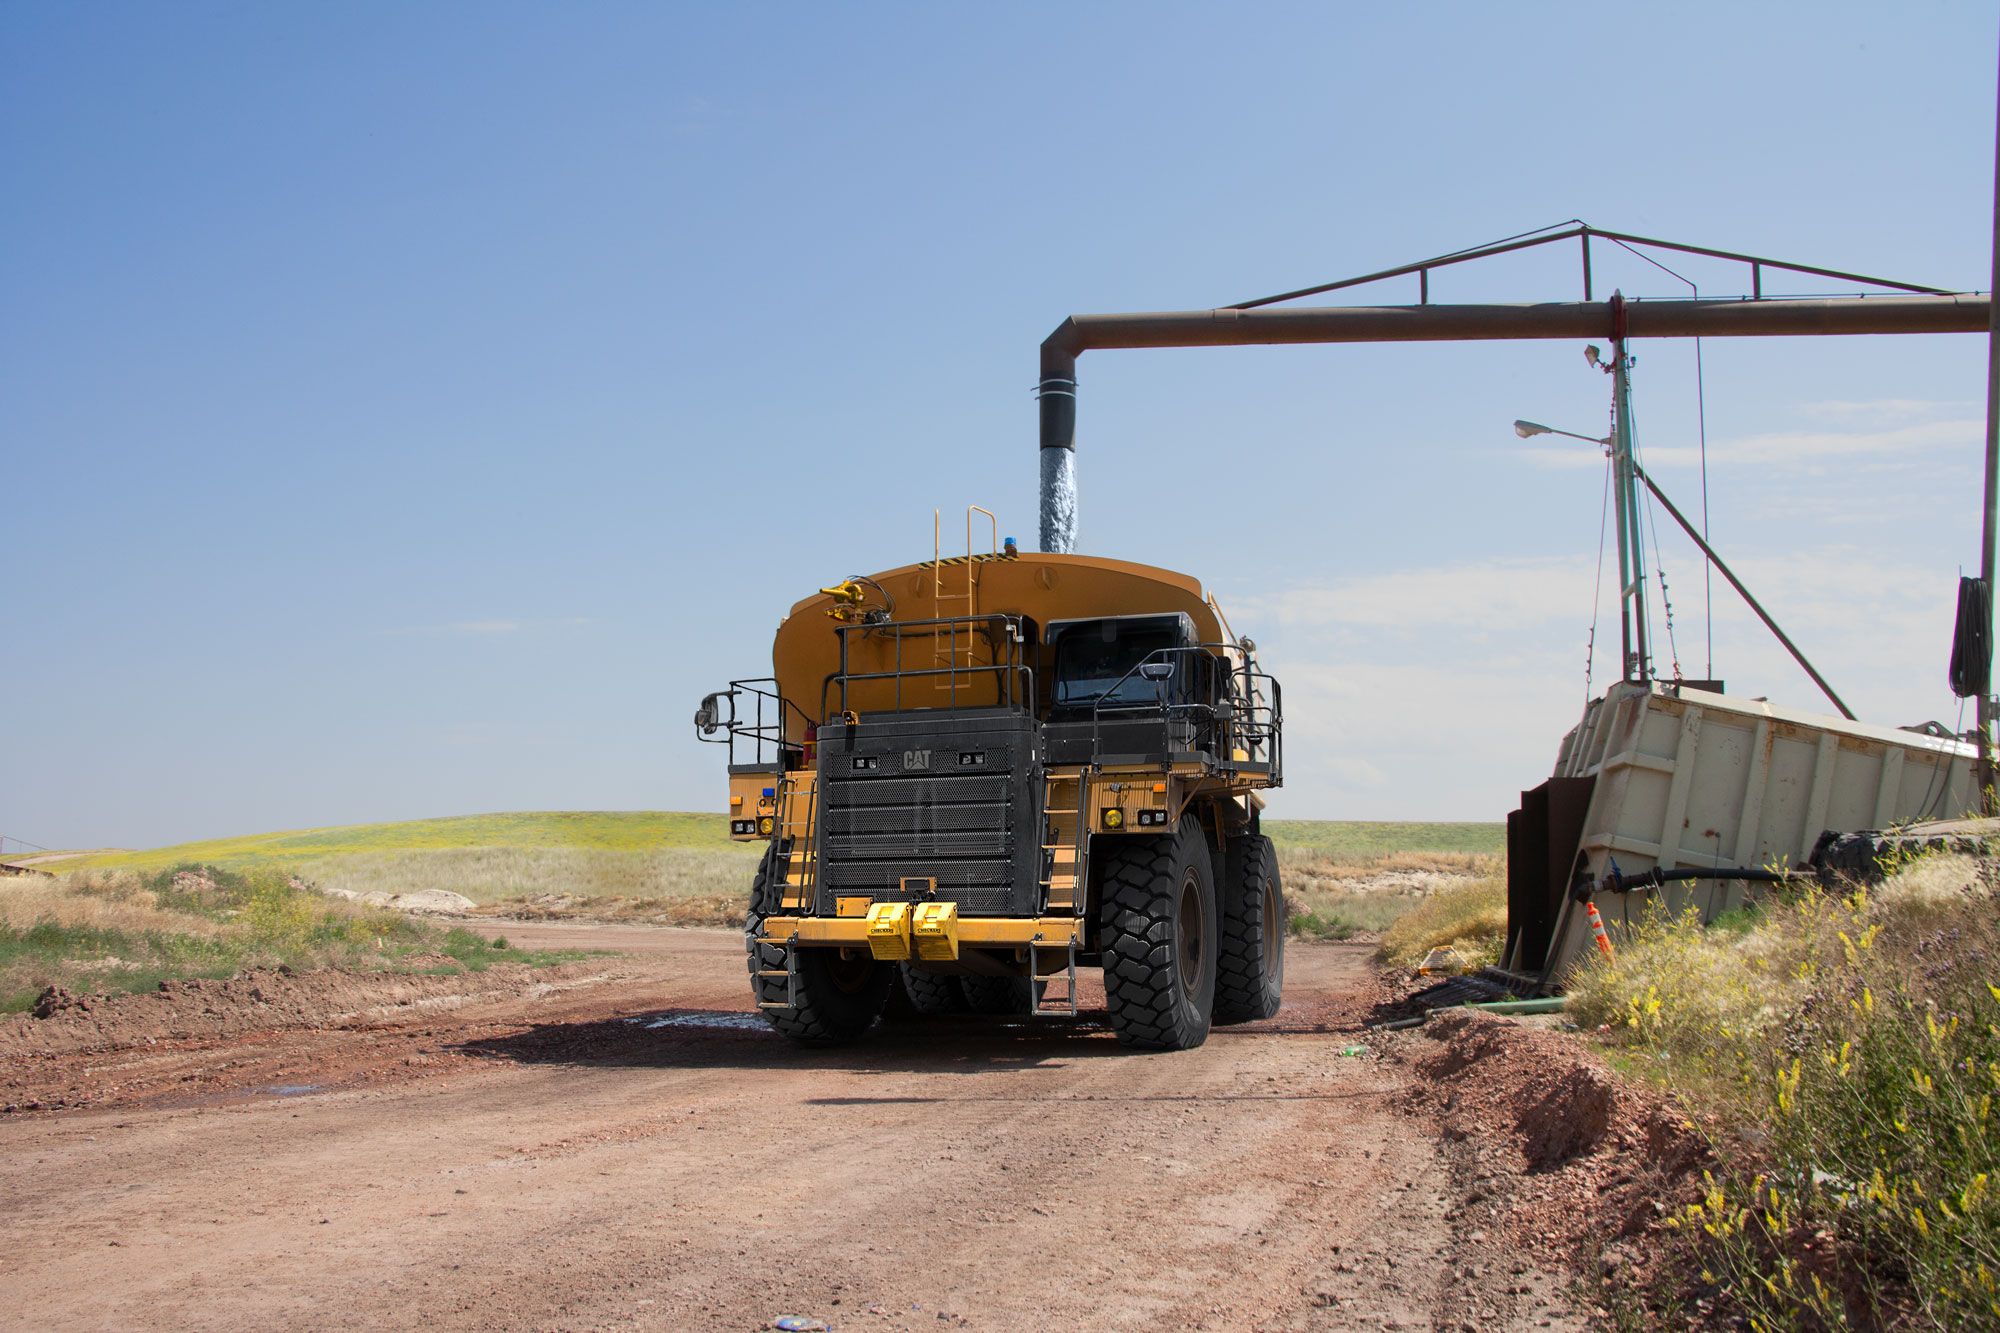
(1158, 929)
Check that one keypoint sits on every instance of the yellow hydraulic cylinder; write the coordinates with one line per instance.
(889, 931)
(934, 931)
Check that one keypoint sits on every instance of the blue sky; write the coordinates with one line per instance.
(411, 410)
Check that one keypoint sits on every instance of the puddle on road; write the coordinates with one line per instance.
(713, 1022)
(294, 1089)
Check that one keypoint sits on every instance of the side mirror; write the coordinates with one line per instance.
(1157, 670)
(709, 716)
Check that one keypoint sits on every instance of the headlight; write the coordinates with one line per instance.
(766, 824)
(1113, 817)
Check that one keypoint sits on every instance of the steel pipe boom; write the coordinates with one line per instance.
(1616, 319)
(1967, 313)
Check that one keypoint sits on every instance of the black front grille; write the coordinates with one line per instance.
(946, 796)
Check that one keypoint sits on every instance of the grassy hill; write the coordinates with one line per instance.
(1355, 840)
(592, 830)
(680, 866)
(663, 830)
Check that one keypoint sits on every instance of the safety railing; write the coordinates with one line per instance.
(1247, 715)
(751, 714)
(1013, 680)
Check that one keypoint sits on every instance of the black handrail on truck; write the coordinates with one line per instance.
(762, 730)
(1014, 680)
(1241, 718)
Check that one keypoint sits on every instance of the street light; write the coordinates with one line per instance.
(1530, 429)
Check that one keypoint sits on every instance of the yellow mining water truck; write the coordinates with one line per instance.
(977, 775)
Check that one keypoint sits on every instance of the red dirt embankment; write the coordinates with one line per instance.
(65, 1022)
(1557, 1156)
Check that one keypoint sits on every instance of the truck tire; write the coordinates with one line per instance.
(1001, 997)
(1250, 962)
(899, 1008)
(839, 998)
(933, 992)
(1158, 932)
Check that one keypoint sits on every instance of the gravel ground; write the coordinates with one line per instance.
(620, 1143)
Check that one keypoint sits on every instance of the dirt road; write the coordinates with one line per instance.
(533, 1157)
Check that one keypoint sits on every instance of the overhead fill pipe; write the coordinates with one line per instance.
(1617, 319)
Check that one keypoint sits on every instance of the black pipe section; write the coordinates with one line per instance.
(1619, 882)
(1058, 399)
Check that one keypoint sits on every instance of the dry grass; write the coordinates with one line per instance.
(94, 900)
(677, 885)
(496, 874)
(1332, 896)
(1470, 916)
(1314, 866)
(703, 909)
(1342, 877)
(1337, 897)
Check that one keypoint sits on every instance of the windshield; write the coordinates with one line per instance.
(1089, 666)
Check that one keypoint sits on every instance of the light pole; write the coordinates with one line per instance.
(1632, 619)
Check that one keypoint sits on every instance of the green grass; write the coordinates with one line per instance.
(124, 931)
(94, 958)
(1353, 840)
(598, 830)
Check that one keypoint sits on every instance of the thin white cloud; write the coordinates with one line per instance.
(1886, 429)
(1499, 594)
(1809, 447)
(1443, 692)
(1882, 409)
(1580, 458)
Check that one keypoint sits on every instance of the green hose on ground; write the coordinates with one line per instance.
(1549, 1004)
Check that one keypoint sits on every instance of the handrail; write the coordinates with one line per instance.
(757, 731)
(1257, 725)
(1014, 680)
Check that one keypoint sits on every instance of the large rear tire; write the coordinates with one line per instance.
(1250, 965)
(933, 993)
(1158, 936)
(839, 998)
(1000, 997)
